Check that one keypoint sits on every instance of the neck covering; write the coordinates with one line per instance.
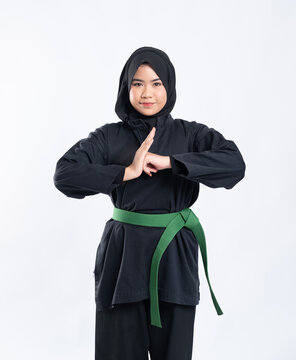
(163, 67)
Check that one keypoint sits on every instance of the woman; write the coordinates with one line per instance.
(151, 165)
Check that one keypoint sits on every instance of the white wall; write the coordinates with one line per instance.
(59, 70)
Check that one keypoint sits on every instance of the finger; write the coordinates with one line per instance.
(148, 172)
(147, 143)
(150, 167)
(149, 137)
(151, 133)
(147, 140)
(146, 169)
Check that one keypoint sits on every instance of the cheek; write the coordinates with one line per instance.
(133, 95)
(163, 96)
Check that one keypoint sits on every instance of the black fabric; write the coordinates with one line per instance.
(96, 164)
(165, 70)
(125, 332)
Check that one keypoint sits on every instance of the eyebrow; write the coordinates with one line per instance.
(143, 80)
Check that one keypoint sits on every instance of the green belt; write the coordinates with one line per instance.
(173, 222)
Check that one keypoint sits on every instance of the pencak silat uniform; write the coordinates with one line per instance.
(96, 164)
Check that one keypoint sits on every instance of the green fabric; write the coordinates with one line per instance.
(173, 222)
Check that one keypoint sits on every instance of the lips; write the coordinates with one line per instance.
(147, 103)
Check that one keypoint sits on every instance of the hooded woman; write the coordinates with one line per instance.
(150, 165)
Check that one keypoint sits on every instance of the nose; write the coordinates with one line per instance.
(146, 92)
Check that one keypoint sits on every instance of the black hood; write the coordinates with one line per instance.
(162, 65)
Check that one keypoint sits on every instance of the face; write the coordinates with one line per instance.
(147, 93)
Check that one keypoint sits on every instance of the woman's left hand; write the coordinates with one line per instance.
(153, 163)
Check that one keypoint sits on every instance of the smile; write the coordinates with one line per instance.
(147, 104)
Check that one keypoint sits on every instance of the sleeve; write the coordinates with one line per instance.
(214, 161)
(84, 170)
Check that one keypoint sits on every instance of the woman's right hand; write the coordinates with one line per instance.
(135, 169)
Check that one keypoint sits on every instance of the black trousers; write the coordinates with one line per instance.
(125, 332)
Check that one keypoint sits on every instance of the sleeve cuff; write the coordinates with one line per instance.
(119, 178)
(178, 168)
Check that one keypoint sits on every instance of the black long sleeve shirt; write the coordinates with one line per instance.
(96, 164)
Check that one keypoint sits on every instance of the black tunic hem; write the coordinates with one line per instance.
(142, 295)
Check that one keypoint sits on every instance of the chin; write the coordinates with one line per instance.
(148, 112)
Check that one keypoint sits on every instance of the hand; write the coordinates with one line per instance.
(136, 168)
(154, 162)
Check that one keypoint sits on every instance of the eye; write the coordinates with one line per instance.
(137, 83)
(158, 83)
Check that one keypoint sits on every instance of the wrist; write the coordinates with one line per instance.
(128, 174)
(169, 162)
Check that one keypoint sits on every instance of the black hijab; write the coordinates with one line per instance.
(163, 67)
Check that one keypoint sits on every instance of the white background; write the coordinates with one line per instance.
(60, 64)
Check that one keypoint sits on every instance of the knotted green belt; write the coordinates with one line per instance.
(173, 222)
